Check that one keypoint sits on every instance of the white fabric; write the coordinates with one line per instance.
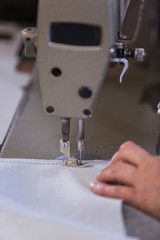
(41, 199)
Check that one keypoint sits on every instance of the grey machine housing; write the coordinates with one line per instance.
(74, 42)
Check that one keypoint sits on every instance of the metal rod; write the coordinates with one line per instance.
(81, 129)
(65, 129)
(81, 134)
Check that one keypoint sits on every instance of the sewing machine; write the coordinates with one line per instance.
(71, 73)
(74, 45)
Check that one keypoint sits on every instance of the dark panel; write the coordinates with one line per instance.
(75, 34)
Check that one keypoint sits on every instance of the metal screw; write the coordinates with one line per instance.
(87, 112)
(139, 54)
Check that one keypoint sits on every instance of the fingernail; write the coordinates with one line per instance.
(92, 186)
(99, 174)
(159, 111)
(113, 157)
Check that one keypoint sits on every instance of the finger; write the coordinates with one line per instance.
(113, 191)
(131, 153)
(118, 172)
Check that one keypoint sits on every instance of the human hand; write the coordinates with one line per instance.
(136, 177)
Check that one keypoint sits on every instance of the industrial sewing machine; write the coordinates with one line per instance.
(74, 43)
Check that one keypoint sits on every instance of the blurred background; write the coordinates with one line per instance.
(18, 10)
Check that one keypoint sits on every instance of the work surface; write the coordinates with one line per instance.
(41, 199)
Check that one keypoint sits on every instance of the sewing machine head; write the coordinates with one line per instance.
(76, 42)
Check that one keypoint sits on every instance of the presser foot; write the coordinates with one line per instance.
(75, 163)
(71, 161)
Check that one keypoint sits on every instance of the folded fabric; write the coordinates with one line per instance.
(42, 199)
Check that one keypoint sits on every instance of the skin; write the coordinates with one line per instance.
(136, 177)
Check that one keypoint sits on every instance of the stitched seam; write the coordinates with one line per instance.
(30, 163)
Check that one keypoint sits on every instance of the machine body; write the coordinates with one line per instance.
(75, 43)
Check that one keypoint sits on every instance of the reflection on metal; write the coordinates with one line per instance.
(120, 53)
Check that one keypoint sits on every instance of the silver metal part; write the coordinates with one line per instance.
(81, 134)
(29, 36)
(139, 54)
(71, 161)
(126, 64)
(120, 53)
(65, 148)
(65, 129)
